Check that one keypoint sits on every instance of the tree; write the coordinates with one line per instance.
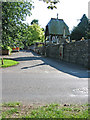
(12, 15)
(34, 21)
(52, 3)
(81, 29)
(31, 34)
(13, 31)
(88, 31)
(36, 34)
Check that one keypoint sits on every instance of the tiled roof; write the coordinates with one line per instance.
(56, 26)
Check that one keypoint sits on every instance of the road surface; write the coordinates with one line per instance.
(43, 80)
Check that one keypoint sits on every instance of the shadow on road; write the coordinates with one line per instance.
(72, 69)
(34, 66)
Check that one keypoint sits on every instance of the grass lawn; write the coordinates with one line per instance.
(8, 63)
(17, 110)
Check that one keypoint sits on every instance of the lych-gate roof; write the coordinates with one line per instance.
(56, 27)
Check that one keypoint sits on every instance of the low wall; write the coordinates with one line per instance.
(53, 51)
(74, 52)
(4, 52)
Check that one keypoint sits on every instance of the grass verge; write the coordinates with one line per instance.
(8, 63)
(17, 110)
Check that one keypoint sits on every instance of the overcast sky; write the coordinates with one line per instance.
(69, 10)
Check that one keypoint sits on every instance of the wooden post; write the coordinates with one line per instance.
(2, 60)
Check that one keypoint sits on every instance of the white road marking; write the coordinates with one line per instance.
(46, 71)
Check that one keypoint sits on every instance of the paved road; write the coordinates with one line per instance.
(43, 80)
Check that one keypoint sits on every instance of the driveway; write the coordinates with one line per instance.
(43, 80)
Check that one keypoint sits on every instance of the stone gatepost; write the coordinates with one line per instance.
(61, 51)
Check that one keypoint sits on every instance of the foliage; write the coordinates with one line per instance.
(12, 15)
(32, 34)
(40, 45)
(34, 21)
(37, 33)
(16, 33)
(10, 49)
(52, 3)
(6, 48)
(81, 29)
(88, 31)
(8, 63)
(88, 35)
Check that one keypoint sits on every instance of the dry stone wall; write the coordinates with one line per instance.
(75, 52)
(53, 51)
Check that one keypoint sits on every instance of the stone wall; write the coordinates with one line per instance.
(74, 52)
(53, 51)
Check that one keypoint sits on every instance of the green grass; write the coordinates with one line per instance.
(10, 109)
(17, 110)
(9, 112)
(8, 63)
(57, 111)
(11, 104)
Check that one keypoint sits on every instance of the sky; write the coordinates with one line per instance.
(70, 11)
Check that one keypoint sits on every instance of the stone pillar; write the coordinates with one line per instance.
(61, 52)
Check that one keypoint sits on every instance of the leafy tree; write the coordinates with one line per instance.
(13, 31)
(88, 31)
(52, 3)
(88, 35)
(36, 34)
(81, 29)
(31, 34)
(12, 15)
(34, 21)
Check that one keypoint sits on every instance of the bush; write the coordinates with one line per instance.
(10, 49)
(6, 48)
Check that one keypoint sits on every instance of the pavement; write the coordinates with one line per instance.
(43, 80)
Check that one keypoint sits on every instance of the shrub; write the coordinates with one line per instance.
(6, 48)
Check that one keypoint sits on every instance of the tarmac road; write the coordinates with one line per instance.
(43, 80)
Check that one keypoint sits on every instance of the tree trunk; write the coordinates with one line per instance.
(2, 60)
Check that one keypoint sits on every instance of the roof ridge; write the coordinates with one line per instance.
(55, 19)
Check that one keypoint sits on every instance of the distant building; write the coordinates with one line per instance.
(57, 31)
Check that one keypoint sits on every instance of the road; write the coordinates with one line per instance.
(43, 80)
